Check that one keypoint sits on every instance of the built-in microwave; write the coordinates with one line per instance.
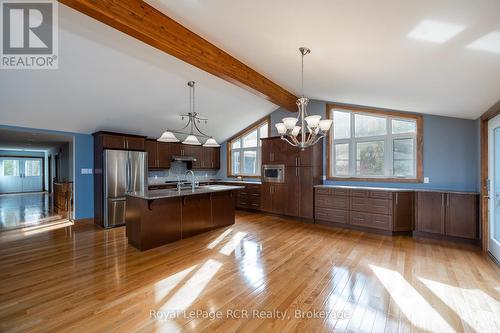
(273, 173)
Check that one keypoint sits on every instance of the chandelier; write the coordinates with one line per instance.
(311, 128)
(194, 131)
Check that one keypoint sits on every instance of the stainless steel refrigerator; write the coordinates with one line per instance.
(124, 171)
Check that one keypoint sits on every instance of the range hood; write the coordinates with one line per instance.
(183, 158)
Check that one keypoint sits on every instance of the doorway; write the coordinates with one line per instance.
(20, 174)
(494, 186)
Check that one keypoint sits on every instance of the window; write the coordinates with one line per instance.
(32, 168)
(244, 155)
(373, 145)
(10, 168)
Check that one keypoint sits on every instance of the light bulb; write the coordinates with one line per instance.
(313, 121)
(281, 128)
(289, 122)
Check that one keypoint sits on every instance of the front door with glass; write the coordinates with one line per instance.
(20, 174)
(494, 186)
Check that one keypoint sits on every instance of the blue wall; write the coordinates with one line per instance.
(451, 152)
(84, 158)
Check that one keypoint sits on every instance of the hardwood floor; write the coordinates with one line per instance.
(25, 210)
(85, 279)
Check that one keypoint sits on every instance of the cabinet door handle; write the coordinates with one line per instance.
(442, 199)
(124, 143)
(447, 199)
(396, 198)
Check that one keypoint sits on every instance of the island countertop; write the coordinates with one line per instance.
(174, 193)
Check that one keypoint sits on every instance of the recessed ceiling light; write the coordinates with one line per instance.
(489, 43)
(434, 31)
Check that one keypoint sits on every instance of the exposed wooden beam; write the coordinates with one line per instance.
(142, 21)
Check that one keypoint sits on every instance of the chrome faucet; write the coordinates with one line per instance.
(192, 179)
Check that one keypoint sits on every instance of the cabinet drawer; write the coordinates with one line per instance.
(360, 193)
(381, 195)
(332, 201)
(331, 215)
(383, 222)
(323, 191)
(369, 205)
(340, 192)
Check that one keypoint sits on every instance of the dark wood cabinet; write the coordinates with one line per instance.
(373, 209)
(211, 158)
(121, 141)
(299, 192)
(164, 157)
(461, 215)
(430, 213)
(274, 198)
(224, 214)
(113, 142)
(448, 214)
(274, 151)
(196, 215)
(303, 170)
(150, 148)
(160, 155)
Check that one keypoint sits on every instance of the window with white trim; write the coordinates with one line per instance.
(245, 151)
(373, 145)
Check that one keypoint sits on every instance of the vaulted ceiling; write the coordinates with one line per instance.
(110, 81)
(363, 51)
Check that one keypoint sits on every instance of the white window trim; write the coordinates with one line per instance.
(241, 150)
(388, 140)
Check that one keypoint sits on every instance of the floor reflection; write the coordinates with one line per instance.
(25, 209)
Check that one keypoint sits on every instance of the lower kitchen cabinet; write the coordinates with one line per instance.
(273, 198)
(196, 217)
(462, 215)
(430, 212)
(372, 209)
(224, 214)
(448, 214)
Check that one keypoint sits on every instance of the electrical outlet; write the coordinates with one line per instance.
(426, 180)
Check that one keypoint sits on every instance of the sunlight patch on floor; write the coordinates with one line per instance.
(193, 287)
(233, 243)
(457, 299)
(219, 239)
(165, 286)
(412, 304)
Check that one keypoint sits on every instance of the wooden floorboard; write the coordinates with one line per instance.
(86, 279)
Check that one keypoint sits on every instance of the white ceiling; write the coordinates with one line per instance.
(109, 81)
(31, 141)
(361, 52)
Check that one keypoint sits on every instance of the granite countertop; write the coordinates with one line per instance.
(394, 189)
(236, 181)
(173, 193)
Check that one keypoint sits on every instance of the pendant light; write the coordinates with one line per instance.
(311, 128)
(194, 131)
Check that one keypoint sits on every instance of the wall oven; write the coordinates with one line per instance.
(273, 173)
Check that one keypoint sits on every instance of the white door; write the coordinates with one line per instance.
(19, 174)
(10, 175)
(494, 186)
(32, 174)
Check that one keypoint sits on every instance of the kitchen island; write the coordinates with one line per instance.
(158, 217)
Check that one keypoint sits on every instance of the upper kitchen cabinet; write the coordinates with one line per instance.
(277, 151)
(274, 151)
(109, 140)
(159, 155)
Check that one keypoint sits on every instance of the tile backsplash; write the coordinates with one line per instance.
(177, 171)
